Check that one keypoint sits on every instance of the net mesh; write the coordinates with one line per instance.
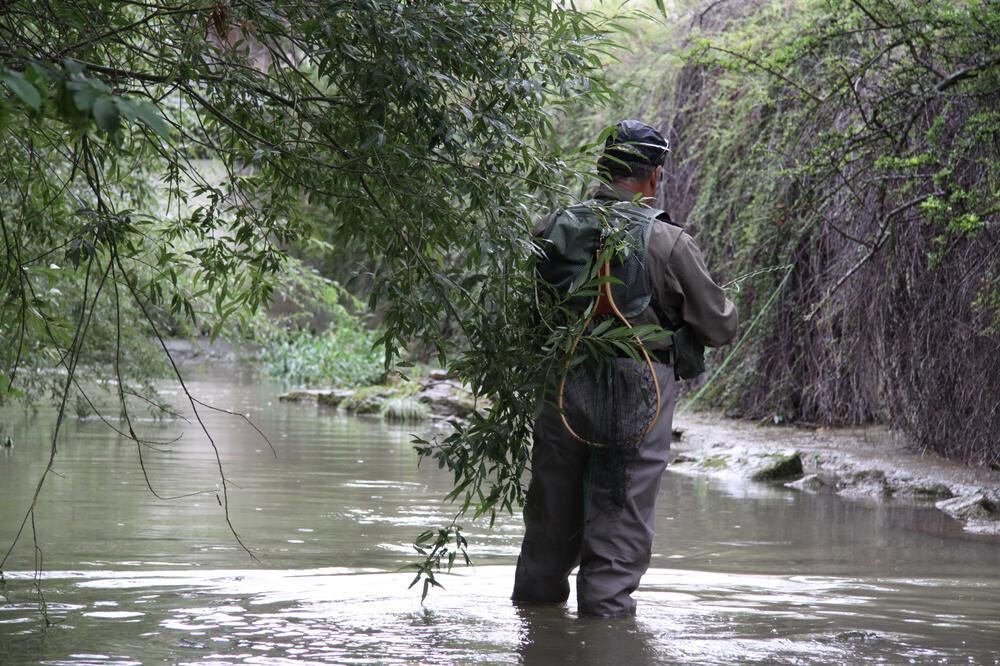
(610, 402)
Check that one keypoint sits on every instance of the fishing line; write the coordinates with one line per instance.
(736, 348)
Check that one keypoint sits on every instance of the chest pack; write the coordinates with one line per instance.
(575, 233)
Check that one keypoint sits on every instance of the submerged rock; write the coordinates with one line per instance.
(811, 483)
(781, 468)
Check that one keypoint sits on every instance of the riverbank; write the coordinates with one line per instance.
(434, 397)
(870, 464)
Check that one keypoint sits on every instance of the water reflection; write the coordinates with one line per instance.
(341, 616)
(550, 634)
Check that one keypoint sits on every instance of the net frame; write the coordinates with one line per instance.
(605, 305)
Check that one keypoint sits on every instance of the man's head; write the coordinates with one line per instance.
(633, 157)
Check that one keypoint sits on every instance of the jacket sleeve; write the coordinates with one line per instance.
(705, 306)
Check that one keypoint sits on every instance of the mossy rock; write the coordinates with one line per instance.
(932, 491)
(971, 507)
(372, 405)
(370, 399)
(335, 397)
(296, 396)
(716, 462)
(781, 468)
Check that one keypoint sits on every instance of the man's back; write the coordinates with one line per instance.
(593, 506)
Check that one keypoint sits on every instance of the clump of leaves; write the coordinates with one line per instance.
(342, 355)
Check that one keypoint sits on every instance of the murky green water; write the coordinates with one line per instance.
(741, 573)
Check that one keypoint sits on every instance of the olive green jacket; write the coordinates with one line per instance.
(683, 290)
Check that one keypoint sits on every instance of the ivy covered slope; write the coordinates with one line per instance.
(859, 142)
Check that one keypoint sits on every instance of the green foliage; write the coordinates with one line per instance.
(342, 355)
(167, 155)
(439, 549)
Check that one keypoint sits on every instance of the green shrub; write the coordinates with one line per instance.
(342, 355)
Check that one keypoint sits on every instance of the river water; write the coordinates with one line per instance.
(741, 572)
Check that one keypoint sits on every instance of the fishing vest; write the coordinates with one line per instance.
(573, 237)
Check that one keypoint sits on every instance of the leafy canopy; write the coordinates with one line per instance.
(160, 157)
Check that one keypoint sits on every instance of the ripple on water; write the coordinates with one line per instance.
(346, 615)
(113, 615)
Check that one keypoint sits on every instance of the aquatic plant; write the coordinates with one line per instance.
(342, 355)
(405, 410)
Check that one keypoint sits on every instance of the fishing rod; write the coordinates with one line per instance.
(736, 348)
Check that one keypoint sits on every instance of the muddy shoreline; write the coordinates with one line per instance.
(872, 463)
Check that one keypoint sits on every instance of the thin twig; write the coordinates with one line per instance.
(767, 69)
(736, 348)
(883, 236)
(242, 416)
(124, 404)
(39, 560)
(224, 502)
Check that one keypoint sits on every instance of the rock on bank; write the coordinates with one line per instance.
(870, 463)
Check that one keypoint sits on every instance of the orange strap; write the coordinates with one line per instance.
(606, 305)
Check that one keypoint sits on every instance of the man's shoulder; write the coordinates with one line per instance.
(590, 211)
(542, 223)
(666, 234)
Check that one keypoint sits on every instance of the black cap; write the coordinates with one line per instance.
(633, 141)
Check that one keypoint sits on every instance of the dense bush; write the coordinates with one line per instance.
(340, 356)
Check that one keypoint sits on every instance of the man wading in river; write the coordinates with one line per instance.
(593, 506)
